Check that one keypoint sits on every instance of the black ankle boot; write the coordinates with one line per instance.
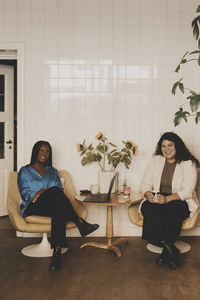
(56, 260)
(173, 256)
(162, 258)
(84, 227)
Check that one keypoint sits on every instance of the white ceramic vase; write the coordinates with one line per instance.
(104, 179)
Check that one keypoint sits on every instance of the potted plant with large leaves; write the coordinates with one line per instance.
(191, 108)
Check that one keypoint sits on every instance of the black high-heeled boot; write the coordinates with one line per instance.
(84, 227)
(56, 260)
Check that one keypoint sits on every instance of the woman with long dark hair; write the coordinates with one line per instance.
(42, 194)
(168, 186)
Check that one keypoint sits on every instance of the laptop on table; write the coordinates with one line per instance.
(101, 197)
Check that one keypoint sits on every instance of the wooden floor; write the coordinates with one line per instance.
(95, 274)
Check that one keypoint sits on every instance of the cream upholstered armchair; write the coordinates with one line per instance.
(38, 224)
(136, 218)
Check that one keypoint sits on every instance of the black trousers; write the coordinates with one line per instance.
(162, 222)
(55, 204)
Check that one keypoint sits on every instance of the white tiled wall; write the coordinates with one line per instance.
(93, 65)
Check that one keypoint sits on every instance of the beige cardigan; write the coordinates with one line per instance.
(183, 182)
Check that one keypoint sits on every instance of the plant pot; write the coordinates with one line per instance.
(104, 179)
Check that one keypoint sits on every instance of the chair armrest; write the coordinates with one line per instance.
(134, 216)
(15, 216)
(191, 222)
(70, 192)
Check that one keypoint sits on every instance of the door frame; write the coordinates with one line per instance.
(19, 48)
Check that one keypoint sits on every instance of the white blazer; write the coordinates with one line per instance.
(183, 182)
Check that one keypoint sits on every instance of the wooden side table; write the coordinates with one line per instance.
(116, 200)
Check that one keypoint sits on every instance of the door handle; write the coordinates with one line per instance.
(9, 142)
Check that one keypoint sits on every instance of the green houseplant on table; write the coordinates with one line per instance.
(193, 98)
(108, 156)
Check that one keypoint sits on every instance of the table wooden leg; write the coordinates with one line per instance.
(109, 234)
(109, 225)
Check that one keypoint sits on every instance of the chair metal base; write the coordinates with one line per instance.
(182, 246)
(43, 249)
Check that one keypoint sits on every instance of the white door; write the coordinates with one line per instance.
(6, 131)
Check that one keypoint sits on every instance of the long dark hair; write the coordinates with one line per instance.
(36, 149)
(182, 152)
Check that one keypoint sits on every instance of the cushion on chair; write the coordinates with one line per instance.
(45, 220)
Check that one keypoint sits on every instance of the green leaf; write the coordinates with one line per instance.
(195, 21)
(112, 151)
(84, 161)
(116, 161)
(181, 87)
(178, 84)
(116, 153)
(124, 150)
(129, 153)
(198, 8)
(184, 118)
(112, 144)
(128, 161)
(180, 110)
(101, 148)
(199, 43)
(90, 147)
(196, 31)
(177, 68)
(179, 115)
(98, 157)
(197, 118)
(194, 102)
(126, 165)
(174, 88)
(177, 120)
(83, 152)
(199, 60)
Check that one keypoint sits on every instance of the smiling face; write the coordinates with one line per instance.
(168, 150)
(43, 154)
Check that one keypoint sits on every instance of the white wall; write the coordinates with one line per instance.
(93, 65)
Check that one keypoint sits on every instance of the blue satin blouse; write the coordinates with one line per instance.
(30, 182)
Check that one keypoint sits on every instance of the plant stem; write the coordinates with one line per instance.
(187, 89)
(104, 155)
(192, 59)
(184, 103)
(102, 169)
